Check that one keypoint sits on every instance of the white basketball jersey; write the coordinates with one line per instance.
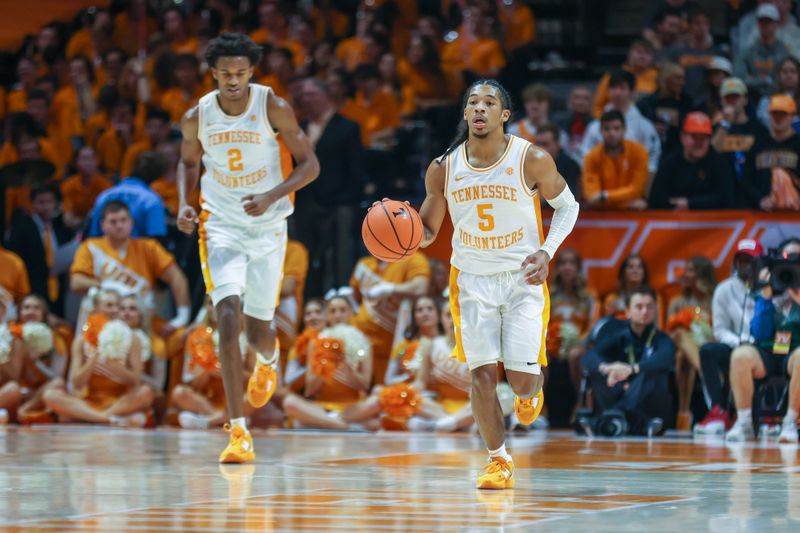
(496, 217)
(241, 156)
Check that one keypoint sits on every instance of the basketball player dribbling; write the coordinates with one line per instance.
(491, 182)
(237, 131)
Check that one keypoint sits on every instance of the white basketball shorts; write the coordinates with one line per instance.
(498, 318)
(244, 261)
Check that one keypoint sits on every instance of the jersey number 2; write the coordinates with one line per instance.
(487, 219)
(235, 160)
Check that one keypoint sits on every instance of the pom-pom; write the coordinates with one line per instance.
(411, 357)
(202, 349)
(327, 354)
(38, 337)
(114, 340)
(92, 327)
(144, 340)
(355, 344)
(399, 400)
(302, 342)
(6, 340)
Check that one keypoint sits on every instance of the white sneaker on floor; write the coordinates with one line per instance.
(136, 420)
(788, 433)
(4, 416)
(740, 432)
(189, 420)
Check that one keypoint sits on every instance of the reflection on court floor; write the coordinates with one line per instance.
(94, 479)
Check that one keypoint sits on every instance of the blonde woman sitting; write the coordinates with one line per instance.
(40, 366)
(106, 374)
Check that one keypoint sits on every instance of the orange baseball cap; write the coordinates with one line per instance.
(697, 122)
(783, 102)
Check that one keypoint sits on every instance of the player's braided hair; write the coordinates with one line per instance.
(462, 132)
(230, 44)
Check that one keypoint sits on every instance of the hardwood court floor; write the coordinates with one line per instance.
(70, 478)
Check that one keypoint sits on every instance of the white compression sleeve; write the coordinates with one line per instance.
(566, 213)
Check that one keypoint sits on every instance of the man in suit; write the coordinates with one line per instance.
(45, 244)
(326, 209)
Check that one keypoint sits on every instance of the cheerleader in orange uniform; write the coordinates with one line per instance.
(41, 365)
(689, 325)
(106, 373)
(313, 323)
(200, 397)
(10, 360)
(154, 349)
(338, 373)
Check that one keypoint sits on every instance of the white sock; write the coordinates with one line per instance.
(262, 359)
(791, 417)
(446, 424)
(744, 416)
(239, 423)
(420, 425)
(4, 416)
(500, 452)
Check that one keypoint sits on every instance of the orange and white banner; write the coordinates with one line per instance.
(665, 239)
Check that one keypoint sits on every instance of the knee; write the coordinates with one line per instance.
(484, 379)
(145, 394)
(52, 398)
(228, 313)
(742, 357)
(179, 393)
(290, 406)
(57, 384)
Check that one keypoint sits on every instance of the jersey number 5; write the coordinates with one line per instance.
(235, 160)
(487, 219)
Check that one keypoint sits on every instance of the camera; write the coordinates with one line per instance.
(784, 271)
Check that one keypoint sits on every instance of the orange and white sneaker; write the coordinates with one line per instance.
(497, 475)
(240, 446)
(528, 410)
(261, 385)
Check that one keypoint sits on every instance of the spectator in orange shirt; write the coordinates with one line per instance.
(273, 28)
(301, 39)
(421, 71)
(188, 89)
(175, 27)
(110, 73)
(640, 64)
(24, 141)
(156, 130)
(113, 143)
(82, 188)
(26, 79)
(374, 109)
(39, 110)
(281, 70)
(352, 51)
(390, 82)
(323, 59)
(13, 276)
(517, 24)
(615, 172)
(474, 50)
(74, 103)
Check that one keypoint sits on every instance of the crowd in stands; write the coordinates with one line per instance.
(688, 121)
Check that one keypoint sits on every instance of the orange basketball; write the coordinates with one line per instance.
(392, 230)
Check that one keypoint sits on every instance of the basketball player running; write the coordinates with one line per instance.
(237, 131)
(491, 182)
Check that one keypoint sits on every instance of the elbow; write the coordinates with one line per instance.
(313, 169)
